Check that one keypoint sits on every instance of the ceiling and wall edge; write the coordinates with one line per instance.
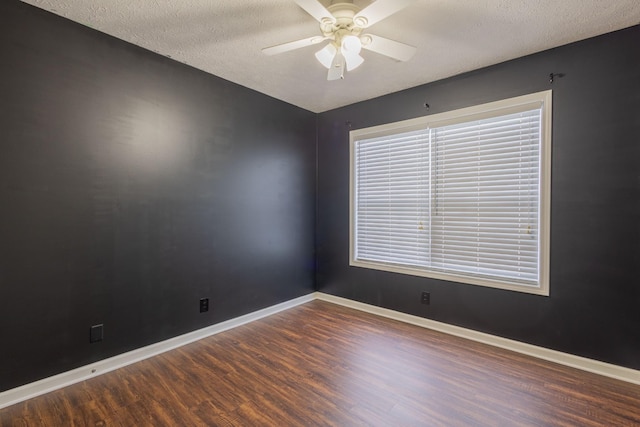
(225, 38)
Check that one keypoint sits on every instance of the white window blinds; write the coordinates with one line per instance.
(393, 199)
(459, 197)
(485, 216)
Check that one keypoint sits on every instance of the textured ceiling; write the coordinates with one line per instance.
(224, 38)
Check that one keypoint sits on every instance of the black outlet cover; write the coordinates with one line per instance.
(204, 305)
(425, 298)
(97, 333)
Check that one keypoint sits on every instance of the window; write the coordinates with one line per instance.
(460, 196)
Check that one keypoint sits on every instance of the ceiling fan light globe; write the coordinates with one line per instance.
(326, 54)
(351, 45)
(352, 61)
(336, 71)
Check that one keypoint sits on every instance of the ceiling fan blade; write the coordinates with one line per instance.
(286, 47)
(378, 10)
(392, 49)
(316, 9)
(336, 71)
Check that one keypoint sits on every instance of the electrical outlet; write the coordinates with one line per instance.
(204, 305)
(425, 298)
(96, 333)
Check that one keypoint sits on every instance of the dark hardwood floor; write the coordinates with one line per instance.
(320, 364)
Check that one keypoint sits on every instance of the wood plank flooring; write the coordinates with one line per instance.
(321, 364)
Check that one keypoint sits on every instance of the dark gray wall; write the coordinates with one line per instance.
(595, 238)
(130, 187)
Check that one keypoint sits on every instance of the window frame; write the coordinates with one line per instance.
(541, 100)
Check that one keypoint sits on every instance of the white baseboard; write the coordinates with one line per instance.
(589, 365)
(46, 385)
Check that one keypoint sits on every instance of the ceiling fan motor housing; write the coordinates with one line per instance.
(344, 24)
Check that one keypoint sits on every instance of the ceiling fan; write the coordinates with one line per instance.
(343, 23)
